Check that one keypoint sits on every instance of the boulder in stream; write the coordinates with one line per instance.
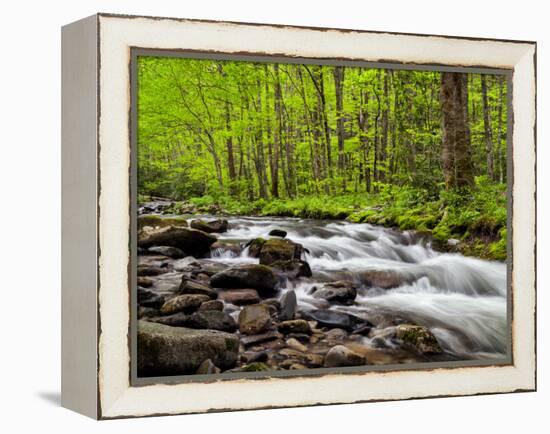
(276, 249)
(165, 350)
(212, 226)
(340, 291)
(418, 337)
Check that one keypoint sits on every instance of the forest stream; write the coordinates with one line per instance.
(379, 278)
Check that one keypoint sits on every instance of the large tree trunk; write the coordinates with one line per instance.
(277, 135)
(456, 153)
(339, 72)
(487, 128)
(385, 127)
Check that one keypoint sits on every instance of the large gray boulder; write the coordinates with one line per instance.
(164, 350)
(191, 241)
(253, 276)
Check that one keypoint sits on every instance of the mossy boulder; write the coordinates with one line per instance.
(418, 337)
(157, 221)
(278, 249)
(164, 350)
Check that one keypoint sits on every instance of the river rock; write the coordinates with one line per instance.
(311, 360)
(340, 355)
(150, 270)
(210, 267)
(171, 252)
(419, 338)
(191, 241)
(213, 226)
(277, 233)
(147, 312)
(254, 356)
(296, 345)
(259, 338)
(183, 303)
(245, 276)
(207, 319)
(332, 319)
(276, 249)
(254, 319)
(292, 269)
(341, 291)
(289, 305)
(239, 297)
(207, 368)
(212, 305)
(294, 326)
(149, 299)
(189, 286)
(336, 335)
(164, 350)
(157, 221)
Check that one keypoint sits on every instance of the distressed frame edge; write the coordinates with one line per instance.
(80, 180)
(529, 387)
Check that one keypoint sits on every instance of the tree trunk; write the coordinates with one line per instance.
(456, 153)
(277, 135)
(501, 144)
(487, 128)
(339, 89)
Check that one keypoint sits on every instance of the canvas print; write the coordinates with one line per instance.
(294, 216)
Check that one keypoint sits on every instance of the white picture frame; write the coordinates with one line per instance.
(96, 301)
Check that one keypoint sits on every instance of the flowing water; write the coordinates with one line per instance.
(461, 300)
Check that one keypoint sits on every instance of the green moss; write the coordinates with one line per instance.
(255, 367)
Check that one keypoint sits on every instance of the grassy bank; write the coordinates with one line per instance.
(476, 218)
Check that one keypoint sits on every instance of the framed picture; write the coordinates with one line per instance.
(261, 216)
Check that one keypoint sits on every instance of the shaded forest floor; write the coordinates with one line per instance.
(471, 222)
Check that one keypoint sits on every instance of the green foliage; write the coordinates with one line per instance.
(265, 139)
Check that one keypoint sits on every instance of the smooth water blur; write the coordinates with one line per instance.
(461, 300)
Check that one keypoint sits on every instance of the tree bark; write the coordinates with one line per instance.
(339, 73)
(487, 128)
(456, 153)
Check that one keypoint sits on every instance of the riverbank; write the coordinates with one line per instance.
(470, 222)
